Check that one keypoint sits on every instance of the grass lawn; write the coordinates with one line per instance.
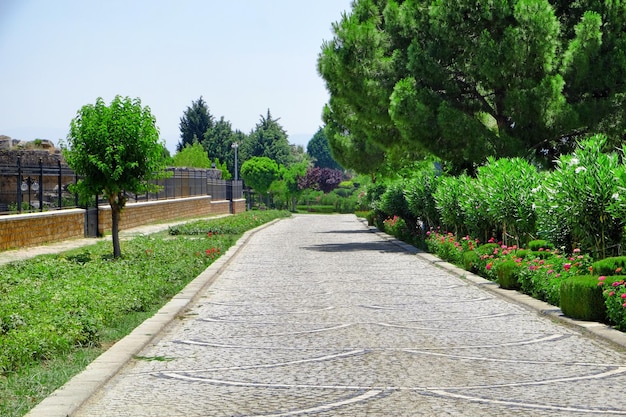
(59, 312)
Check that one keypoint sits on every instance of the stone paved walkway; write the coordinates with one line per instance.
(318, 316)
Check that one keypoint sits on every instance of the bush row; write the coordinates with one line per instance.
(579, 204)
(583, 289)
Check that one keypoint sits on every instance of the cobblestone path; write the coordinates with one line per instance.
(318, 316)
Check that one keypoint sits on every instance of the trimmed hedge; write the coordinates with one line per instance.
(610, 266)
(582, 298)
(535, 245)
(507, 275)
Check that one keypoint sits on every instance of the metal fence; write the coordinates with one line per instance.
(40, 187)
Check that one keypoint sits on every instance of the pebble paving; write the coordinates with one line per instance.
(317, 316)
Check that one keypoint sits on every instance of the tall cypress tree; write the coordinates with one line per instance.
(194, 124)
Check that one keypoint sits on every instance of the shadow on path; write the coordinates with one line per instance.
(356, 247)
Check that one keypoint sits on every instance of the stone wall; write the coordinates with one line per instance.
(137, 214)
(22, 230)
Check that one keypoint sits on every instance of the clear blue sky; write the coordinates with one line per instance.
(242, 56)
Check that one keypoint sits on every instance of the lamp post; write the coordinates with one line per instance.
(235, 146)
(27, 185)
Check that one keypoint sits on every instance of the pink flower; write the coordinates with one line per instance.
(577, 250)
(612, 293)
(618, 270)
(623, 295)
(488, 266)
(491, 240)
(600, 284)
(601, 278)
(567, 267)
(624, 305)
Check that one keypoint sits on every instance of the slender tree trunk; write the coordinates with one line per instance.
(116, 202)
(115, 222)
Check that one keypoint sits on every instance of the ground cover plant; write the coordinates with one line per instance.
(57, 310)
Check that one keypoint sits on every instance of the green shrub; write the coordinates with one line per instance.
(614, 291)
(576, 204)
(506, 197)
(471, 261)
(610, 266)
(582, 298)
(507, 272)
(535, 245)
(488, 248)
(540, 254)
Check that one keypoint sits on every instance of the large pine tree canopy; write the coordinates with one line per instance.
(467, 79)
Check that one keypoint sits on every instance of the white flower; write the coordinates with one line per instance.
(573, 161)
(580, 169)
(615, 196)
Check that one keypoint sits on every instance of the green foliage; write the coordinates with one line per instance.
(464, 82)
(268, 139)
(194, 124)
(56, 307)
(448, 197)
(471, 261)
(192, 156)
(610, 266)
(581, 298)
(537, 244)
(218, 141)
(394, 202)
(319, 149)
(508, 188)
(115, 149)
(233, 225)
(420, 190)
(614, 291)
(259, 172)
(507, 272)
(574, 206)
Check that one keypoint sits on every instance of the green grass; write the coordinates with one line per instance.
(58, 312)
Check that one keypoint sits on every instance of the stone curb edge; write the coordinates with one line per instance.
(67, 399)
(596, 329)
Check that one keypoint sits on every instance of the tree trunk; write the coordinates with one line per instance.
(116, 202)
(115, 222)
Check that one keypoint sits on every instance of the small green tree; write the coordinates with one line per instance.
(319, 149)
(192, 156)
(259, 172)
(115, 149)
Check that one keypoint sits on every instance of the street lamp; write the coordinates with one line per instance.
(27, 185)
(235, 145)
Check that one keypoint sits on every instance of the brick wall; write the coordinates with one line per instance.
(239, 206)
(137, 214)
(21, 230)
